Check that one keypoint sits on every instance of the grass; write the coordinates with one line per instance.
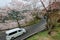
(36, 20)
(44, 35)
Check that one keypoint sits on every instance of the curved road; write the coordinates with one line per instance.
(30, 31)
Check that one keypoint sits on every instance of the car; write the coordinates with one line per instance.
(13, 33)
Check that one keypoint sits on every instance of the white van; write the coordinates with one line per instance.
(11, 34)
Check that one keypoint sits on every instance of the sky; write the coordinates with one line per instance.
(4, 2)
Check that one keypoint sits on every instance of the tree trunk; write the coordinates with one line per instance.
(18, 21)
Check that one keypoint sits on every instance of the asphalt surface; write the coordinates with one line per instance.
(2, 36)
(30, 31)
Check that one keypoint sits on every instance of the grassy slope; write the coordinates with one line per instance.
(36, 20)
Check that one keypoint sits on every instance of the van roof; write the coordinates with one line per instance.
(12, 30)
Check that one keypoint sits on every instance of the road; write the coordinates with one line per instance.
(30, 31)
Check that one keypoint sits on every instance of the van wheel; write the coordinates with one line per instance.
(12, 38)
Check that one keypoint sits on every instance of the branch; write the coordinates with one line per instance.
(43, 5)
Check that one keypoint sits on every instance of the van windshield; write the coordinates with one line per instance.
(13, 33)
